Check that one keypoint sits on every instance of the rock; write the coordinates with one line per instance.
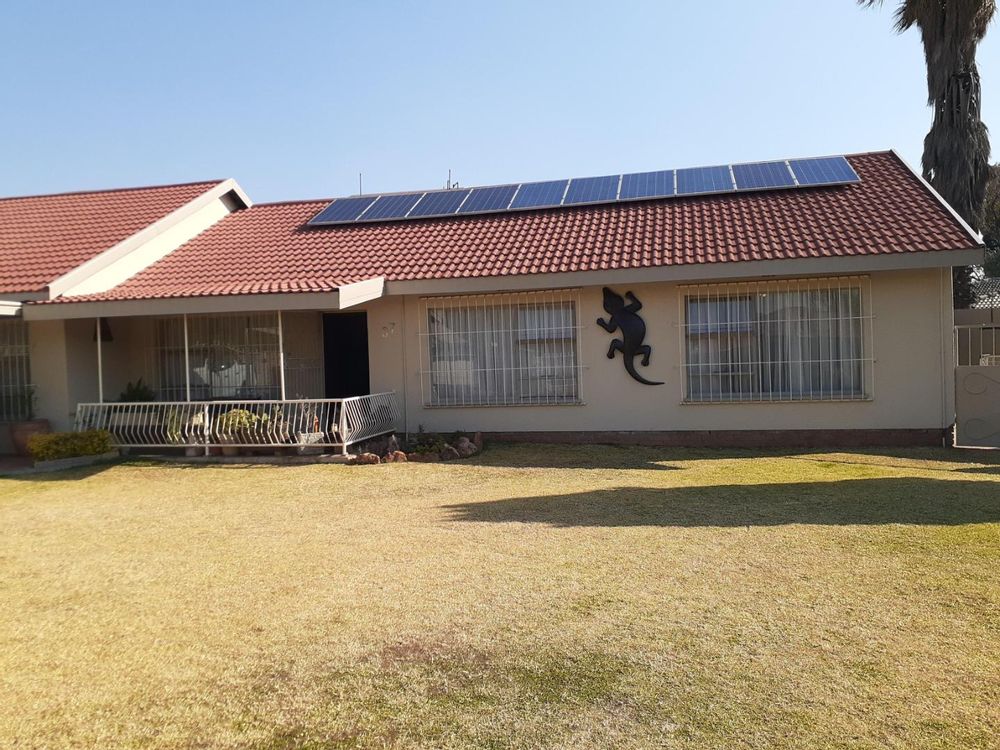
(448, 453)
(465, 447)
(394, 457)
(421, 457)
(365, 458)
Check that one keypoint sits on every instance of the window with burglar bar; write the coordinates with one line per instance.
(799, 340)
(16, 392)
(233, 356)
(500, 349)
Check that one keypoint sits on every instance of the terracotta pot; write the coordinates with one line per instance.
(20, 432)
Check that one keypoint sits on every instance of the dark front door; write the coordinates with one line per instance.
(345, 354)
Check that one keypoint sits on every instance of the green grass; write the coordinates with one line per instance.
(538, 596)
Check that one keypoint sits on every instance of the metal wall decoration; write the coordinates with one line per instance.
(624, 317)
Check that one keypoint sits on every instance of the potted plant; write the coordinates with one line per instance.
(21, 431)
(235, 427)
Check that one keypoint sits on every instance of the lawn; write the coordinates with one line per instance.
(532, 597)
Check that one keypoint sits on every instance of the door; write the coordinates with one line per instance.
(345, 354)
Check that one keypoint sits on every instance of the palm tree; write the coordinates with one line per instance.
(957, 148)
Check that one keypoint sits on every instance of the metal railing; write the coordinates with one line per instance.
(977, 345)
(299, 423)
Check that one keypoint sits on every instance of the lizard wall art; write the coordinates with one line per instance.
(624, 317)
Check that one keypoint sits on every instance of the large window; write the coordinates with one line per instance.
(777, 341)
(230, 357)
(16, 393)
(503, 349)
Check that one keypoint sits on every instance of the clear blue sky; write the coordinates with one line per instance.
(294, 99)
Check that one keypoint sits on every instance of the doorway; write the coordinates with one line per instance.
(345, 354)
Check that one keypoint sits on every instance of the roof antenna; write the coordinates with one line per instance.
(361, 190)
(448, 186)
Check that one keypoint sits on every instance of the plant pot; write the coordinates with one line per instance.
(21, 432)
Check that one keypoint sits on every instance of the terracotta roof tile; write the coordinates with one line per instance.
(268, 248)
(43, 237)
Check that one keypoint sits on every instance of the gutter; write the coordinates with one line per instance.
(9, 309)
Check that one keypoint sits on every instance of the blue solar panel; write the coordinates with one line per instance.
(439, 203)
(592, 190)
(704, 180)
(391, 206)
(828, 170)
(487, 199)
(647, 185)
(540, 194)
(765, 174)
(343, 209)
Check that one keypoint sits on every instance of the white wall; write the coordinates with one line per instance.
(913, 375)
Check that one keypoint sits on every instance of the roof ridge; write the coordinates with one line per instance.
(104, 191)
(292, 202)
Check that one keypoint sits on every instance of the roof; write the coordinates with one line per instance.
(987, 293)
(43, 237)
(268, 248)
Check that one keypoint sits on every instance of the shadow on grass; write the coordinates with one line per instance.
(847, 502)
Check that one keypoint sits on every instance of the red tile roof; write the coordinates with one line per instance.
(45, 236)
(268, 248)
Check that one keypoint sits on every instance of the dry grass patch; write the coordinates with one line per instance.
(534, 597)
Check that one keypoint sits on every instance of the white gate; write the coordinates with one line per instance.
(977, 386)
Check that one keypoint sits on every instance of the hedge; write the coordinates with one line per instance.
(50, 446)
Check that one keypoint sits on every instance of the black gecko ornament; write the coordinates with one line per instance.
(625, 318)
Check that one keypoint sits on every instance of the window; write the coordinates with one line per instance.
(501, 350)
(17, 395)
(777, 341)
(231, 357)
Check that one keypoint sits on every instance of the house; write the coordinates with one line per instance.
(805, 302)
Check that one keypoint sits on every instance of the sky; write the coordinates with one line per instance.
(295, 99)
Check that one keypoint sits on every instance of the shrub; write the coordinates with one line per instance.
(137, 392)
(54, 445)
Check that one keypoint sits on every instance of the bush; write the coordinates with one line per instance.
(54, 445)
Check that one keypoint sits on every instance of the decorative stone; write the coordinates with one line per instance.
(465, 447)
(449, 453)
(365, 458)
(421, 457)
(394, 457)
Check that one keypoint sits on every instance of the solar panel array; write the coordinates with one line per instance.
(667, 183)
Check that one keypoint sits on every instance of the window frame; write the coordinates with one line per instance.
(755, 290)
(15, 365)
(508, 347)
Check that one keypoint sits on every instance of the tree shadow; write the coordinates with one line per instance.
(846, 502)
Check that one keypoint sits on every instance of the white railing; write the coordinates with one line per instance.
(977, 345)
(300, 423)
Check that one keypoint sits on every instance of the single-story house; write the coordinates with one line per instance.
(795, 302)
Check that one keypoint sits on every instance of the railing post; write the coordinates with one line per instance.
(206, 427)
(281, 355)
(342, 428)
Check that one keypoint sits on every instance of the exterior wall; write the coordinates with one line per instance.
(913, 368)
(913, 373)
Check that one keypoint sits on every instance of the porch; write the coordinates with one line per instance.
(294, 381)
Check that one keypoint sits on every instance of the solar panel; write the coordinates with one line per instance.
(440, 203)
(647, 185)
(592, 190)
(391, 207)
(704, 180)
(827, 170)
(540, 194)
(343, 209)
(487, 199)
(764, 174)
